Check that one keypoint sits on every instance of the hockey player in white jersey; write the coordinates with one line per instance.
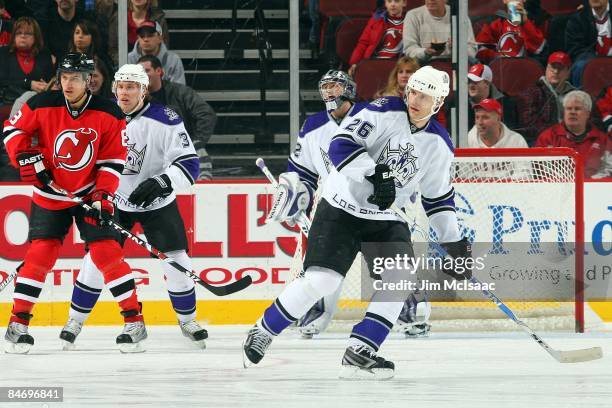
(381, 156)
(161, 159)
(307, 169)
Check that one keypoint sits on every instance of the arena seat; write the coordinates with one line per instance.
(556, 7)
(371, 76)
(347, 36)
(514, 75)
(596, 75)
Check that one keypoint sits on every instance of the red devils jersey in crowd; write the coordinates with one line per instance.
(501, 38)
(84, 149)
(391, 42)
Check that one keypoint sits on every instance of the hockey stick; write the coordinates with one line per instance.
(562, 356)
(215, 290)
(302, 221)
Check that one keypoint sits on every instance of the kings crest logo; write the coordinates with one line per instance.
(401, 161)
(172, 115)
(134, 160)
(380, 102)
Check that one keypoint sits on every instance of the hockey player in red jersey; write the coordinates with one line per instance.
(80, 147)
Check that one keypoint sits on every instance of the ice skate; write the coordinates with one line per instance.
(131, 339)
(362, 363)
(18, 341)
(69, 334)
(254, 347)
(193, 331)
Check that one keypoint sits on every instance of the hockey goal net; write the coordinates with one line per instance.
(527, 199)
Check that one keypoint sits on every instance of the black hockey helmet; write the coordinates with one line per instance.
(76, 62)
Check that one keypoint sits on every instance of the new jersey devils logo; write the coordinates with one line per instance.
(511, 44)
(73, 149)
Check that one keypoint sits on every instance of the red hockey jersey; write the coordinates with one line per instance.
(501, 38)
(84, 150)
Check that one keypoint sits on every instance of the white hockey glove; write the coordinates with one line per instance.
(290, 199)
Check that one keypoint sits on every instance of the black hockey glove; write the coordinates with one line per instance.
(151, 189)
(384, 187)
(461, 252)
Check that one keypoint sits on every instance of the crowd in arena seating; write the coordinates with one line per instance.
(524, 62)
(35, 34)
(532, 105)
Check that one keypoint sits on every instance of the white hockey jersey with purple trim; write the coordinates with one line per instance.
(157, 143)
(310, 159)
(420, 161)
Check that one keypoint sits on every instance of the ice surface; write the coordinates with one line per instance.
(446, 370)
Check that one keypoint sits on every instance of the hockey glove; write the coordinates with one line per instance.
(102, 208)
(151, 189)
(384, 187)
(290, 199)
(32, 167)
(461, 252)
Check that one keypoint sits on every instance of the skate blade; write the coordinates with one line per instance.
(246, 363)
(129, 348)
(353, 373)
(67, 346)
(16, 348)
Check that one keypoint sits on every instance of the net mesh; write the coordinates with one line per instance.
(509, 198)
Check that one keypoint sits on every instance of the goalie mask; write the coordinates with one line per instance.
(343, 89)
(432, 82)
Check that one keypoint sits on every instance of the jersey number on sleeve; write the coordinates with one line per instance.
(363, 131)
(184, 139)
(15, 118)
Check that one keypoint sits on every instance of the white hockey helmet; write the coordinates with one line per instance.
(132, 73)
(429, 81)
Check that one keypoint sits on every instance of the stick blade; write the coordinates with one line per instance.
(579, 356)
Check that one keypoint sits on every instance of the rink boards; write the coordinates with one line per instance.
(228, 239)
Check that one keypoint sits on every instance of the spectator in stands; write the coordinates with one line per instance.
(6, 25)
(489, 130)
(140, 11)
(398, 78)
(506, 38)
(427, 32)
(150, 43)
(541, 105)
(100, 82)
(60, 26)
(577, 133)
(604, 104)
(25, 64)
(588, 34)
(86, 39)
(198, 116)
(382, 36)
(480, 86)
